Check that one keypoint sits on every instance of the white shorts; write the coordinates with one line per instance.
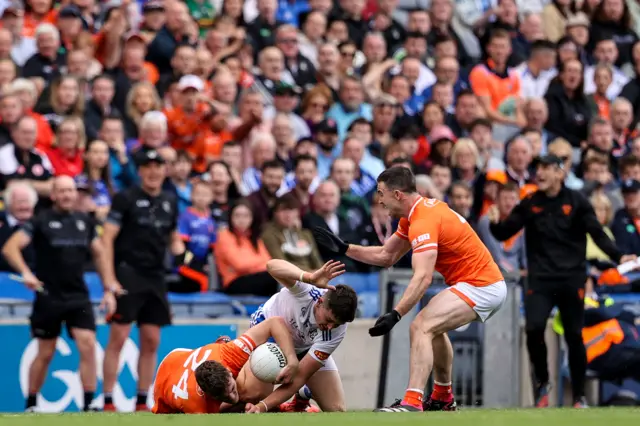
(329, 364)
(486, 300)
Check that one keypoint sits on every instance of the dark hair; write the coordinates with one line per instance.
(599, 16)
(480, 122)
(231, 144)
(287, 202)
(602, 161)
(509, 187)
(232, 192)
(627, 162)
(254, 228)
(460, 184)
(402, 162)
(530, 130)
(213, 378)
(357, 121)
(102, 77)
(499, 33)
(182, 155)
(302, 158)
(105, 174)
(398, 178)
(342, 302)
(272, 164)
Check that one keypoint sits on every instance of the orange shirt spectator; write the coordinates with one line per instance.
(189, 119)
(498, 87)
(45, 137)
(36, 17)
(67, 155)
(208, 147)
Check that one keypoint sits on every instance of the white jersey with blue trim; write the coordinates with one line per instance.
(295, 306)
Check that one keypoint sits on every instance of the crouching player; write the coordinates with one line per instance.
(203, 380)
(316, 314)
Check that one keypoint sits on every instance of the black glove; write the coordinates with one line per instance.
(385, 323)
(329, 240)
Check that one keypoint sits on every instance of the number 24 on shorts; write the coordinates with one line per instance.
(190, 365)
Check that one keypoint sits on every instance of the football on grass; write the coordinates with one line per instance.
(267, 361)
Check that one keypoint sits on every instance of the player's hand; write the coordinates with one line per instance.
(32, 282)
(329, 271)
(385, 323)
(108, 303)
(116, 288)
(329, 240)
(252, 409)
(493, 214)
(287, 373)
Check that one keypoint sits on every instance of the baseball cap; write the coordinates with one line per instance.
(70, 11)
(441, 132)
(148, 156)
(579, 19)
(551, 160)
(499, 176)
(152, 6)
(327, 126)
(630, 186)
(282, 89)
(15, 8)
(190, 82)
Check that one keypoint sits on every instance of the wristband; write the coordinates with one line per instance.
(266, 407)
(301, 280)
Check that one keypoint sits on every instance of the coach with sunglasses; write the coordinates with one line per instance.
(556, 221)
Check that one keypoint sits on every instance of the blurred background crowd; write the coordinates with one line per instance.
(275, 116)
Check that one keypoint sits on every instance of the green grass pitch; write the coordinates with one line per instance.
(548, 417)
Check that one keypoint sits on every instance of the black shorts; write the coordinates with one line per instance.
(49, 313)
(146, 299)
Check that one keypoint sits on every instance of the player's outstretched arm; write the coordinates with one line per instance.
(386, 255)
(287, 273)
(276, 327)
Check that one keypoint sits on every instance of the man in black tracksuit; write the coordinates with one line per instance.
(556, 221)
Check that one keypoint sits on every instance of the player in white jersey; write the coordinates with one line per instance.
(316, 314)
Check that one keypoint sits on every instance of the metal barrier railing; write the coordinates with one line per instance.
(486, 367)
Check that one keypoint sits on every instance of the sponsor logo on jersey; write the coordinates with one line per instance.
(322, 356)
(420, 239)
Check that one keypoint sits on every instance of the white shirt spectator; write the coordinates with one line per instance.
(531, 86)
(614, 89)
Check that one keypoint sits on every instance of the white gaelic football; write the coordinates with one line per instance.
(267, 361)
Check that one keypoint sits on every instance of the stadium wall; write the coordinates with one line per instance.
(358, 359)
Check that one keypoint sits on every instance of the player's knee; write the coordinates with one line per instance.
(421, 328)
(117, 338)
(46, 353)
(86, 345)
(149, 342)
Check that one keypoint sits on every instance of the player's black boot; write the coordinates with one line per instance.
(397, 407)
(435, 405)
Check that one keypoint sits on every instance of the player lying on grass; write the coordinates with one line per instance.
(203, 380)
(317, 317)
(442, 241)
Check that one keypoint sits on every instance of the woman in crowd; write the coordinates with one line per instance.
(64, 100)
(224, 192)
(142, 98)
(241, 255)
(464, 161)
(96, 179)
(285, 239)
(315, 104)
(67, 153)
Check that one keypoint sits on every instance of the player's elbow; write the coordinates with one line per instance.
(387, 259)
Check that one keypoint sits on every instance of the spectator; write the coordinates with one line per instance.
(141, 99)
(179, 172)
(20, 200)
(10, 113)
(67, 154)
(300, 67)
(606, 53)
(306, 181)
(241, 255)
(519, 157)
(621, 123)
(23, 46)
(263, 200)
(153, 132)
(599, 100)
(285, 101)
(21, 161)
(467, 110)
(350, 106)
(538, 71)
(183, 62)
(441, 177)
(510, 255)
(569, 112)
(352, 206)
(536, 114)
(197, 230)
(231, 155)
(364, 181)
(47, 62)
(224, 192)
(122, 170)
(562, 149)
(96, 179)
(285, 239)
(262, 29)
(461, 201)
(102, 92)
(314, 106)
(604, 212)
(624, 230)
(282, 131)
(175, 31)
(263, 149)
(554, 17)
(611, 19)
(28, 95)
(464, 161)
(64, 100)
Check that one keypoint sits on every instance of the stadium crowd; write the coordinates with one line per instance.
(276, 117)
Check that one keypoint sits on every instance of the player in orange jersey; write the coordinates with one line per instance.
(203, 380)
(441, 240)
